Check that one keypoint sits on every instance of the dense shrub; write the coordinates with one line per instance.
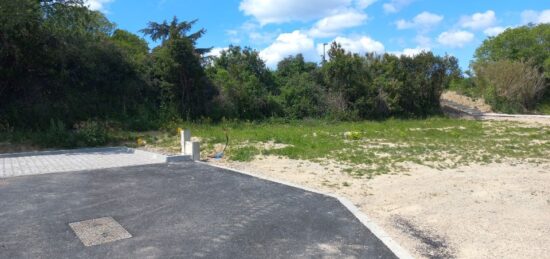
(375, 86)
(302, 97)
(83, 134)
(530, 42)
(504, 77)
(63, 64)
(245, 85)
(58, 60)
(56, 135)
(510, 86)
(91, 133)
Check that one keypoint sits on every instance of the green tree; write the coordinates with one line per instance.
(59, 62)
(345, 74)
(300, 96)
(179, 72)
(293, 65)
(175, 30)
(530, 42)
(132, 45)
(375, 86)
(512, 49)
(245, 84)
(21, 38)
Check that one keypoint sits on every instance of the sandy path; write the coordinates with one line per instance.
(490, 211)
(478, 104)
(483, 111)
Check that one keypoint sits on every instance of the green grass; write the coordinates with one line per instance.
(371, 148)
(365, 148)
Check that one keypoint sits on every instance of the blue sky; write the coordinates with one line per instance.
(278, 28)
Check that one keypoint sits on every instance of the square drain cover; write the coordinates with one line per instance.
(99, 231)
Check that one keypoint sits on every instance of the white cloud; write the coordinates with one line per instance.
(97, 5)
(215, 52)
(410, 52)
(455, 38)
(331, 25)
(262, 37)
(424, 20)
(395, 6)
(233, 36)
(287, 44)
(530, 16)
(359, 45)
(479, 21)
(494, 31)
(280, 11)
(362, 4)
(253, 31)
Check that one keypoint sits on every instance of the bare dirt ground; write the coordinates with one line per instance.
(478, 104)
(526, 120)
(479, 211)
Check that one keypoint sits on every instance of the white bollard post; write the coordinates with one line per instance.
(185, 136)
(182, 141)
(188, 148)
(196, 150)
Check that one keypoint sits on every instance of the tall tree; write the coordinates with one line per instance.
(58, 62)
(175, 30)
(525, 43)
(246, 85)
(179, 68)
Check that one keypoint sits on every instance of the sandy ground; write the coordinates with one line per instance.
(479, 211)
(524, 120)
(478, 104)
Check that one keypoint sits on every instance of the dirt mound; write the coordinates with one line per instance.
(477, 104)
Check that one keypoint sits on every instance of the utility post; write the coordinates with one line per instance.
(324, 53)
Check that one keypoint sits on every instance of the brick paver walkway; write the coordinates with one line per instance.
(32, 163)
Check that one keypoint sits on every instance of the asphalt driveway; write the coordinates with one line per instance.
(182, 210)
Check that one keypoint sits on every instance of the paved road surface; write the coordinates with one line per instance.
(184, 210)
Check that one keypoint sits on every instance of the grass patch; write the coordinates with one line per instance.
(244, 154)
(371, 148)
(367, 148)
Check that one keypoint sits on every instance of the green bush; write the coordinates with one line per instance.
(85, 134)
(466, 86)
(510, 86)
(56, 135)
(91, 133)
(301, 97)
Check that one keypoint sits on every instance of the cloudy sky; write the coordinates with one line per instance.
(278, 28)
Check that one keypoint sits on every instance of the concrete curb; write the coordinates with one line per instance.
(399, 251)
(167, 158)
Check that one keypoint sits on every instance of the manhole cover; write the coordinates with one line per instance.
(99, 231)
